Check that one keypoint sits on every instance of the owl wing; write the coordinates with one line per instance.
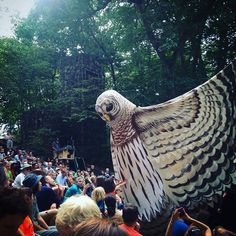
(191, 140)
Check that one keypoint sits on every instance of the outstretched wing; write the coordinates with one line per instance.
(191, 140)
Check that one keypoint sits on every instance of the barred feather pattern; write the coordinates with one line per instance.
(143, 187)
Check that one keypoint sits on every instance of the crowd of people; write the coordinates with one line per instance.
(49, 198)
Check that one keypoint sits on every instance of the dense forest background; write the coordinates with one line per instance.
(67, 52)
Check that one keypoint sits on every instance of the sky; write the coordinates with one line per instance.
(10, 8)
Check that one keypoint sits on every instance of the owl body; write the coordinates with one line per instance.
(143, 184)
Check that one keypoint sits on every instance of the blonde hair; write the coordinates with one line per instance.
(98, 194)
(73, 211)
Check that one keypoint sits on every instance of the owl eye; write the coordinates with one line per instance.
(109, 107)
(100, 114)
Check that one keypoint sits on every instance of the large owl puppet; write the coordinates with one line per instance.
(178, 153)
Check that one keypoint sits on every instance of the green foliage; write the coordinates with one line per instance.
(150, 51)
(27, 79)
(39, 142)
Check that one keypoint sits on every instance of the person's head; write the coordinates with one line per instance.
(130, 214)
(49, 180)
(100, 181)
(98, 227)
(25, 168)
(98, 194)
(7, 165)
(180, 228)
(52, 174)
(29, 196)
(4, 181)
(109, 185)
(79, 181)
(110, 202)
(73, 211)
(86, 174)
(14, 209)
(1, 149)
(49, 164)
(220, 231)
(35, 166)
(64, 171)
(33, 181)
(194, 231)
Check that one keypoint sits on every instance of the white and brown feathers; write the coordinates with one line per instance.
(181, 150)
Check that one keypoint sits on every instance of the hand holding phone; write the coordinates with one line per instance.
(87, 181)
(181, 212)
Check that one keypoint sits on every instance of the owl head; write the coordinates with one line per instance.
(111, 106)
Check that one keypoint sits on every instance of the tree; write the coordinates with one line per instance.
(27, 80)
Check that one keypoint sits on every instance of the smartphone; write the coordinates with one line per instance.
(87, 181)
(181, 212)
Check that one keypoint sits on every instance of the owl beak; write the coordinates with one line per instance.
(107, 117)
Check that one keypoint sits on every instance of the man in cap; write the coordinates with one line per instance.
(33, 181)
(25, 170)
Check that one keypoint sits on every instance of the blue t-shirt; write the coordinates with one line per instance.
(46, 197)
(74, 189)
(179, 228)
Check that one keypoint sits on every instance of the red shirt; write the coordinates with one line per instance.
(27, 228)
(131, 231)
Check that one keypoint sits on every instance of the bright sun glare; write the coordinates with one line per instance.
(10, 8)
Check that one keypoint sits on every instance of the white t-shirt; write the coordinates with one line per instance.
(18, 182)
